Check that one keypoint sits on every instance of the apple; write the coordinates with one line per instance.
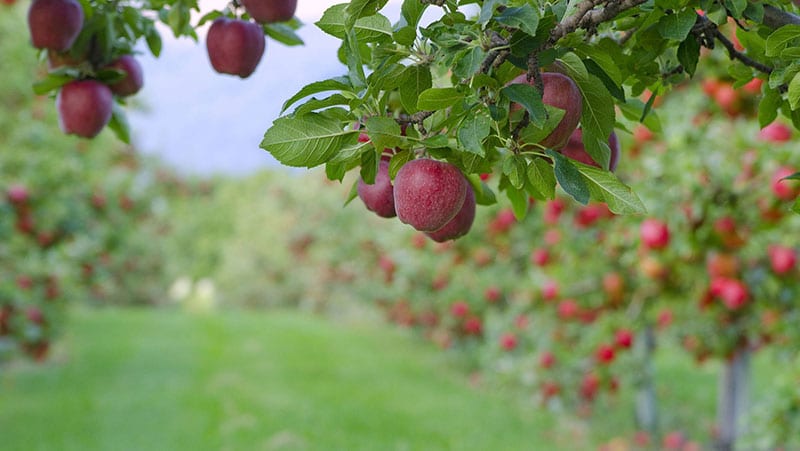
(508, 341)
(654, 234)
(55, 24)
(473, 326)
(84, 107)
(733, 292)
(604, 354)
(589, 385)
(623, 339)
(134, 76)
(269, 11)
(775, 132)
(664, 318)
(493, 294)
(560, 92)
(549, 290)
(577, 151)
(234, 46)
(785, 189)
(379, 197)
(753, 86)
(782, 259)
(550, 389)
(461, 222)
(34, 315)
(591, 213)
(614, 286)
(540, 257)
(553, 210)
(728, 99)
(568, 309)
(17, 195)
(459, 309)
(428, 193)
(722, 265)
(547, 360)
(673, 441)
(503, 222)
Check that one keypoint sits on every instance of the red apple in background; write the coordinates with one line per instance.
(55, 24)
(540, 257)
(428, 193)
(623, 339)
(269, 11)
(17, 195)
(508, 341)
(782, 259)
(553, 210)
(84, 107)
(733, 292)
(379, 197)
(547, 360)
(722, 265)
(614, 286)
(549, 290)
(493, 294)
(785, 189)
(473, 326)
(577, 151)
(604, 354)
(560, 92)
(235, 47)
(654, 234)
(589, 385)
(34, 315)
(775, 132)
(134, 76)
(459, 309)
(460, 224)
(568, 309)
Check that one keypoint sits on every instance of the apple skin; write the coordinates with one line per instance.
(84, 107)
(461, 222)
(379, 197)
(561, 92)
(776, 133)
(785, 189)
(654, 234)
(577, 151)
(235, 47)
(269, 11)
(428, 193)
(134, 78)
(55, 24)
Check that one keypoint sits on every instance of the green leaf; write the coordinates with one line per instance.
(606, 187)
(613, 88)
(570, 178)
(305, 141)
(398, 160)
(525, 18)
(473, 130)
(332, 84)
(781, 38)
(154, 43)
(597, 148)
(736, 7)
(335, 171)
(633, 110)
(483, 194)
(357, 9)
(412, 11)
(373, 28)
(384, 132)
(51, 82)
(487, 10)
(516, 168)
(436, 141)
(468, 62)
(606, 57)
(689, 54)
(353, 193)
(794, 91)
(369, 167)
(677, 26)
(119, 124)
(438, 98)
(534, 134)
(542, 178)
(415, 80)
(316, 104)
(768, 107)
(519, 202)
(530, 98)
(282, 33)
(352, 54)
(796, 206)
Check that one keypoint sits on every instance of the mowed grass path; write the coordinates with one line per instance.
(166, 380)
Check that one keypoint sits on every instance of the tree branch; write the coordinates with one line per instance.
(776, 18)
(707, 32)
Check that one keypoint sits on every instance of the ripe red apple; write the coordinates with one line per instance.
(547, 360)
(623, 339)
(269, 11)
(461, 222)
(550, 389)
(782, 259)
(654, 233)
(34, 315)
(733, 292)
(84, 107)
(17, 195)
(775, 132)
(589, 385)
(754, 86)
(785, 189)
(379, 197)
(503, 222)
(493, 294)
(508, 341)
(134, 76)
(428, 193)
(540, 257)
(55, 24)
(614, 286)
(673, 441)
(728, 99)
(553, 210)
(568, 309)
(473, 326)
(549, 290)
(459, 309)
(589, 214)
(577, 151)
(604, 354)
(561, 92)
(235, 47)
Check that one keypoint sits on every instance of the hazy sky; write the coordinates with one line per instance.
(201, 121)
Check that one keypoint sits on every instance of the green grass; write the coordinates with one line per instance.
(163, 380)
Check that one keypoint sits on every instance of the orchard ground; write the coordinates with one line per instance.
(165, 379)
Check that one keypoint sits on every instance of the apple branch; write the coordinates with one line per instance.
(776, 18)
(707, 32)
(589, 18)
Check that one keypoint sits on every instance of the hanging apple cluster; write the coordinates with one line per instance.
(90, 45)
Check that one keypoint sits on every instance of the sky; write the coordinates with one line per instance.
(204, 122)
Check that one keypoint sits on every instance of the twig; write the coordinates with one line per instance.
(776, 18)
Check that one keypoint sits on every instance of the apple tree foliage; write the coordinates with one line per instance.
(448, 81)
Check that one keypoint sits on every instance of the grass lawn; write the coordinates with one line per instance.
(168, 380)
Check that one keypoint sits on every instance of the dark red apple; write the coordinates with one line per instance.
(84, 107)
(55, 24)
(589, 385)
(428, 193)
(34, 315)
(560, 92)
(540, 257)
(654, 234)
(134, 77)
(623, 339)
(235, 46)
(460, 224)
(269, 11)
(577, 151)
(379, 197)
(604, 354)
(473, 326)
(733, 292)
(549, 290)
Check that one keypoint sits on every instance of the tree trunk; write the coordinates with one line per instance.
(646, 403)
(734, 384)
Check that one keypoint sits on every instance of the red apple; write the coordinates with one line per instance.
(614, 286)
(785, 189)
(547, 360)
(623, 339)
(508, 341)
(568, 309)
(493, 294)
(134, 76)
(34, 315)
(379, 197)
(473, 326)
(589, 385)
(782, 259)
(503, 222)
(55, 24)
(560, 92)
(459, 309)
(577, 151)
(269, 11)
(733, 292)
(461, 222)
(84, 107)
(235, 46)
(775, 132)
(654, 233)
(540, 257)
(17, 195)
(604, 354)
(428, 193)
(549, 290)
(553, 210)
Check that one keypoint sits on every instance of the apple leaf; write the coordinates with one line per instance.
(570, 178)
(119, 124)
(781, 38)
(677, 26)
(332, 84)
(533, 133)
(473, 130)
(597, 116)
(357, 9)
(597, 148)
(541, 179)
(384, 132)
(415, 80)
(398, 160)
(468, 62)
(438, 98)
(530, 98)
(768, 107)
(483, 194)
(796, 206)
(412, 11)
(283, 34)
(606, 187)
(794, 91)
(525, 18)
(515, 167)
(51, 82)
(305, 141)
(353, 193)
